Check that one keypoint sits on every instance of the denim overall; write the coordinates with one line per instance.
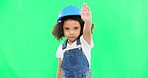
(75, 63)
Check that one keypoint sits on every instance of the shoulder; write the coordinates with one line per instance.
(59, 51)
(64, 43)
(60, 46)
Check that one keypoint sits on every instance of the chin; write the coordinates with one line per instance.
(72, 40)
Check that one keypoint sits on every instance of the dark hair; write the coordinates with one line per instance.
(58, 31)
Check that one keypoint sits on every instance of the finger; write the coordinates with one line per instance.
(84, 6)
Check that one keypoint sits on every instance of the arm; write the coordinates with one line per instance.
(87, 18)
(59, 70)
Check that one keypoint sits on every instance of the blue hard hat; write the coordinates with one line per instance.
(68, 11)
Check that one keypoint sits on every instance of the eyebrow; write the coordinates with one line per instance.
(66, 27)
(73, 26)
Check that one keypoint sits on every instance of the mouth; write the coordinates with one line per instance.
(71, 37)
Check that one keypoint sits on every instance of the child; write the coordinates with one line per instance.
(74, 53)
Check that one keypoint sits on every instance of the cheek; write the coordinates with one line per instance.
(79, 31)
(65, 33)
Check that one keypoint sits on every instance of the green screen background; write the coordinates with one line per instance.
(27, 47)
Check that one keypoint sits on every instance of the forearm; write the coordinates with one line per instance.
(59, 69)
(59, 73)
(87, 33)
(87, 27)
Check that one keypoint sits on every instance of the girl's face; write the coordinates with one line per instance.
(71, 30)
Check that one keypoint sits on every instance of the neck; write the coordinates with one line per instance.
(70, 42)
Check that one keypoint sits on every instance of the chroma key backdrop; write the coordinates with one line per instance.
(27, 47)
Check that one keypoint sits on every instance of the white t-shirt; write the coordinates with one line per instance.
(84, 45)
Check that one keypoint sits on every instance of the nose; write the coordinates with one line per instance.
(71, 32)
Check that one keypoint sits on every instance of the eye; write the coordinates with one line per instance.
(76, 28)
(66, 28)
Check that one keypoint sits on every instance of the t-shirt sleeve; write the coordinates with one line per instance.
(59, 53)
(85, 43)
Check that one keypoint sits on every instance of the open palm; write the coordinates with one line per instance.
(86, 13)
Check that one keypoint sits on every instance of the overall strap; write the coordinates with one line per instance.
(78, 41)
(64, 44)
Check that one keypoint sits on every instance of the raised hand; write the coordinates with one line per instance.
(86, 13)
